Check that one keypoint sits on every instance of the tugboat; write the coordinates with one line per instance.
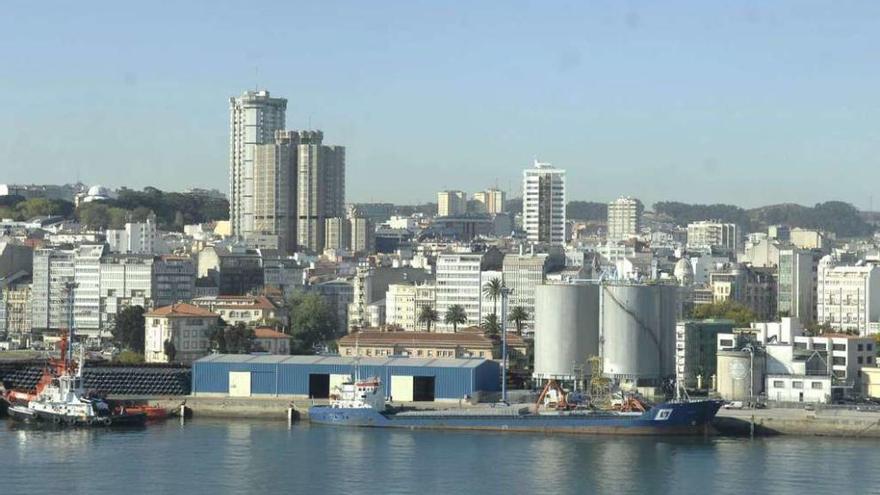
(61, 399)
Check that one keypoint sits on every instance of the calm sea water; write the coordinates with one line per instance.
(218, 457)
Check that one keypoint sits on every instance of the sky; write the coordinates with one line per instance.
(742, 102)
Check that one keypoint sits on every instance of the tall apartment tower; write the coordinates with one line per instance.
(320, 188)
(544, 204)
(492, 200)
(624, 218)
(451, 203)
(253, 119)
(274, 198)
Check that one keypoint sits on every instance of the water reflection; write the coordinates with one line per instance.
(266, 457)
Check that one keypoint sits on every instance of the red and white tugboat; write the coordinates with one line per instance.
(60, 398)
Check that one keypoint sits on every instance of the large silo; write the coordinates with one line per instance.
(637, 331)
(566, 329)
(735, 381)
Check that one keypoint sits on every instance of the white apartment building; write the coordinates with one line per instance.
(404, 302)
(523, 273)
(451, 203)
(126, 280)
(52, 269)
(136, 238)
(797, 284)
(624, 218)
(253, 119)
(848, 297)
(492, 200)
(544, 204)
(706, 235)
(458, 282)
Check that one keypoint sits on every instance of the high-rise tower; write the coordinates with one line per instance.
(544, 204)
(253, 119)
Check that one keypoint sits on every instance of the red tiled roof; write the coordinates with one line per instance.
(180, 309)
(269, 333)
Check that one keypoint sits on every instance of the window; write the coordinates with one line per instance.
(727, 342)
(861, 347)
(860, 360)
(820, 347)
(800, 345)
(778, 384)
(838, 361)
(817, 386)
(869, 347)
(797, 384)
(839, 347)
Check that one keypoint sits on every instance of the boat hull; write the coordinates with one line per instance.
(693, 418)
(31, 416)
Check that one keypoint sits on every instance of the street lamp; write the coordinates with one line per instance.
(505, 293)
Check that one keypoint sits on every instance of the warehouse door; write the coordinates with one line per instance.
(239, 383)
(401, 388)
(319, 386)
(423, 388)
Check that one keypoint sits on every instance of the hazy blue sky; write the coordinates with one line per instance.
(732, 101)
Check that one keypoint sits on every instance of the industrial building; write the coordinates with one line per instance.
(405, 379)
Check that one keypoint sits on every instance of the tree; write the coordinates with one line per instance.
(491, 326)
(493, 289)
(728, 310)
(518, 315)
(128, 329)
(240, 339)
(170, 350)
(428, 316)
(455, 315)
(312, 322)
(217, 338)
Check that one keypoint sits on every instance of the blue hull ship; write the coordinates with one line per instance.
(361, 403)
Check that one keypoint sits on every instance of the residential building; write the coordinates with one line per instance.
(235, 271)
(337, 233)
(458, 283)
(125, 280)
(271, 341)
(338, 294)
(712, 236)
(624, 219)
(404, 303)
(523, 273)
(848, 297)
(363, 237)
(752, 287)
(849, 353)
(809, 239)
(320, 188)
(53, 270)
(15, 306)
(797, 284)
(274, 194)
(136, 238)
(544, 204)
(175, 279)
(370, 285)
(254, 117)
(282, 273)
(491, 201)
(451, 203)
(249, 310)
(186, 326)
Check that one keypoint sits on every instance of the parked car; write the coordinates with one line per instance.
(734, 404)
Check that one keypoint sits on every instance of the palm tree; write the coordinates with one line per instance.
(492, 290)
(518, 315)
(428, 316)
(490, 325)
(455, 314)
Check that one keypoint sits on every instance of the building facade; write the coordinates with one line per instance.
(458, 283)
(544, 204)
(624, 219)
(320, 188)
(491, 201)
(274, 196)
(451, 203)
(848, 297)
(708, 236)
(253, 119)
(186, 326)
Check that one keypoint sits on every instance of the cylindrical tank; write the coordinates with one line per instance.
(566, 329)
(638, 331)
(734, 375)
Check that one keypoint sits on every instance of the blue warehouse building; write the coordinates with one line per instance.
(404, 379)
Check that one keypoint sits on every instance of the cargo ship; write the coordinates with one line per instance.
(362, 403)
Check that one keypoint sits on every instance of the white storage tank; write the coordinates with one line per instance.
(566, 329)
(734, 375)
(638, 331)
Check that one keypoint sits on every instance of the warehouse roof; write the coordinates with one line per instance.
(339, 360)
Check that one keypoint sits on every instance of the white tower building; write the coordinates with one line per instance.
(544, 203)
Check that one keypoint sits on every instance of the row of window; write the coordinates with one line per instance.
(798, 384)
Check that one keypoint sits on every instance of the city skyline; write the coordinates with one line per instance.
(730, 100)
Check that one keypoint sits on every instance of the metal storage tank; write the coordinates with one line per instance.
(637, 331)
(733, 374)
(566, 329)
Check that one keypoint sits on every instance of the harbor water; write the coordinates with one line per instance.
(226, 456)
